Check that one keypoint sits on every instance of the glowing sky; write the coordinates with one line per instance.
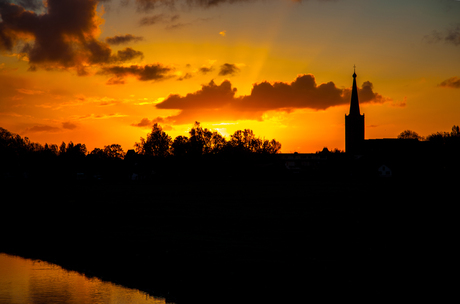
(102, 72)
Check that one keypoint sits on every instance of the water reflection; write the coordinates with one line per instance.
(28, 281)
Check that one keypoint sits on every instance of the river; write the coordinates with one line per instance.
(34, 281)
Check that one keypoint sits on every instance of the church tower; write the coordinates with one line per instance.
(354, 124)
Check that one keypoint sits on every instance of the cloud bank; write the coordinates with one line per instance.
(216, 102)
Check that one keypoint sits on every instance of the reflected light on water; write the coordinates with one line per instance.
(29, 281)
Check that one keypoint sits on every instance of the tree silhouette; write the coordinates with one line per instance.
(98, 153)
(11, 144)
(455, 131)
(51, 149)
(408, 134)
(114, 151)
(243, 141)
(158, 143)
(218, 143)
(446, 137)
(62, 148)
(180, 146)
(200, 140)
(75, 150)
(246, 142)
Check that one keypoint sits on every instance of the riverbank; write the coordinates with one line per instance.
(211, 241)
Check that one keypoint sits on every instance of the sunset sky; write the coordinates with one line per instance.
(102, 72)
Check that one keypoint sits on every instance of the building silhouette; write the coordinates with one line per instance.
(354, 124)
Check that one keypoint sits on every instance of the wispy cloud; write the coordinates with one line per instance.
(452, 82)
(450, 35)
(43, 128)
(69, 125)
(159, 18)
(30, 92)
(147, 123)
(123, 39)
(80, 100)
(98, 116)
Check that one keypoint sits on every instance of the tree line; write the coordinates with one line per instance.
(438, 137)
(446, 143)
(201, 141)
(203, 150)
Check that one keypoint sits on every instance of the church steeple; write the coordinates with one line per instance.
(354, 104)
(354, 123)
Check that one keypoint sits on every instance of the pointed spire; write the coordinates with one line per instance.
(354, 104)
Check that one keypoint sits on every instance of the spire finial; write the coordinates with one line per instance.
(354, 70)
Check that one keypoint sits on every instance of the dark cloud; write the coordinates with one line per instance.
(453, 35)
(450, 35)
(228, 69)
(43, 128)
(144, 73)
(116, 80)
(186, 76)
(152, 20)
(176, 26)
(61, 38)
(128, 38)
(30, 4)
(206, 70)
(434, 37)
(128, 54)
(211, 96)
(211, 3)
(149, 5)
(366, 94)
(216, 102)
(99, 52)
(453, 82)
(160, 18)
(68, 125)
(146, 123)
(301, 93)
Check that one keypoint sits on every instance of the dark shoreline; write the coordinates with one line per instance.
(239, 241)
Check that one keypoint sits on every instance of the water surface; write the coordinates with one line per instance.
(34, 281)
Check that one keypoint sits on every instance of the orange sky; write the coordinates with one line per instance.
(102, 72)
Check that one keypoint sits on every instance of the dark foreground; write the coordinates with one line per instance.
(243, 241)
